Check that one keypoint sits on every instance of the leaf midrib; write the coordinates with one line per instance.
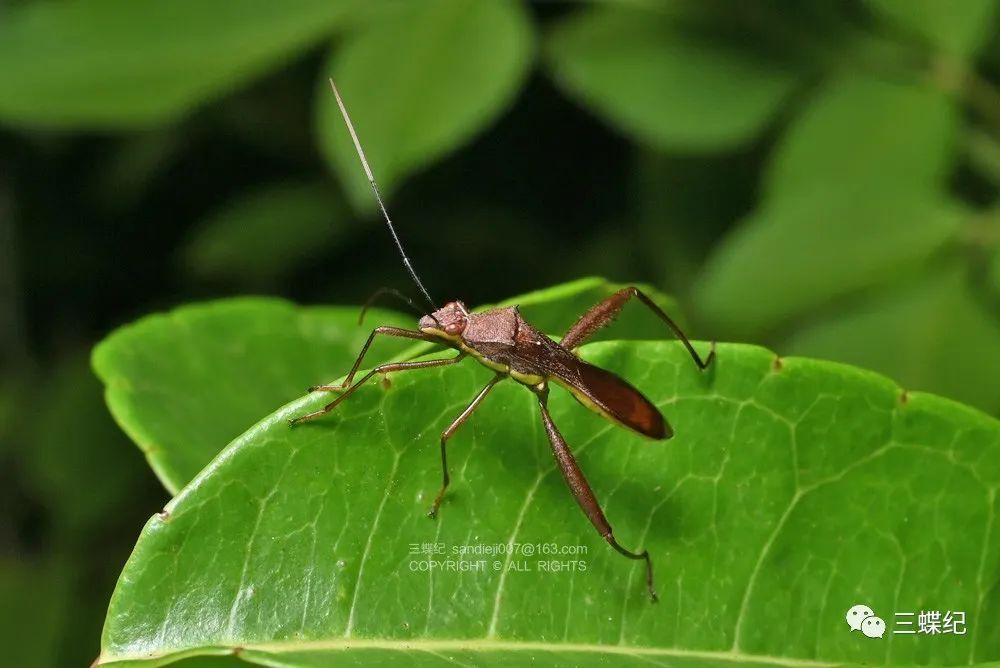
(487, 645)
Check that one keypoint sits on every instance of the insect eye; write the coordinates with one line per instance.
(454, 327)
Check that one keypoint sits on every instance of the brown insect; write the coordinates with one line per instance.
(501, 340)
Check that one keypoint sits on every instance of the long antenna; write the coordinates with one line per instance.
(378, 196)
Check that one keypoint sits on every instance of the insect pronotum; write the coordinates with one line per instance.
(501, 340)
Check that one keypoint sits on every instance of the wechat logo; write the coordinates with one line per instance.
(862, 618)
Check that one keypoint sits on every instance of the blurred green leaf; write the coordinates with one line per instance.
(125, 176)
(854, 195)
(683, 204)
(78, 462)
(10, 391)
(184, 384)
(418, 84)
(866, 132)
(119, 63)
(801, 251)
(933, 335)
(609, 251)
(35, 596)
(295, 544)
(956, 28)
(663, 86)
(263, 234)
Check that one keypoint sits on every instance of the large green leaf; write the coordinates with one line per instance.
(216, 368)
(418, 83)
(185, 383)
(793, 490)
(661, 85)
(932, 335)
(115, 63)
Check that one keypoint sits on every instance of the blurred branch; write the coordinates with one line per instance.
(981, 236)
(888, 51)
(984, 98)
(983, 151)
(982, 230)
(956, 78)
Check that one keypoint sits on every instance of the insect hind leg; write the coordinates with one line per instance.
(637, 555)
(601, 314)
(581, 489)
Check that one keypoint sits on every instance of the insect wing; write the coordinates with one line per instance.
(613, 397)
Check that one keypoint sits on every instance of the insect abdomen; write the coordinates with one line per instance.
(612, 397)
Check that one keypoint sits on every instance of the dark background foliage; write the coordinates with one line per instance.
(820, 177)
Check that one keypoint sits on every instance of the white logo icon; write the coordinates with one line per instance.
(873, 627)
(862, 618)
(858, 614)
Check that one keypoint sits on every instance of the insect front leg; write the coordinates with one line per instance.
(382, 368)
(450, 431)
(581, 488)
(602, 313)
(384, 331)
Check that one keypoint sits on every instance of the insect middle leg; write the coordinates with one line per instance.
(382, 368)
(602, 313)
(581, 489)
(384, 331)
(450, 431)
